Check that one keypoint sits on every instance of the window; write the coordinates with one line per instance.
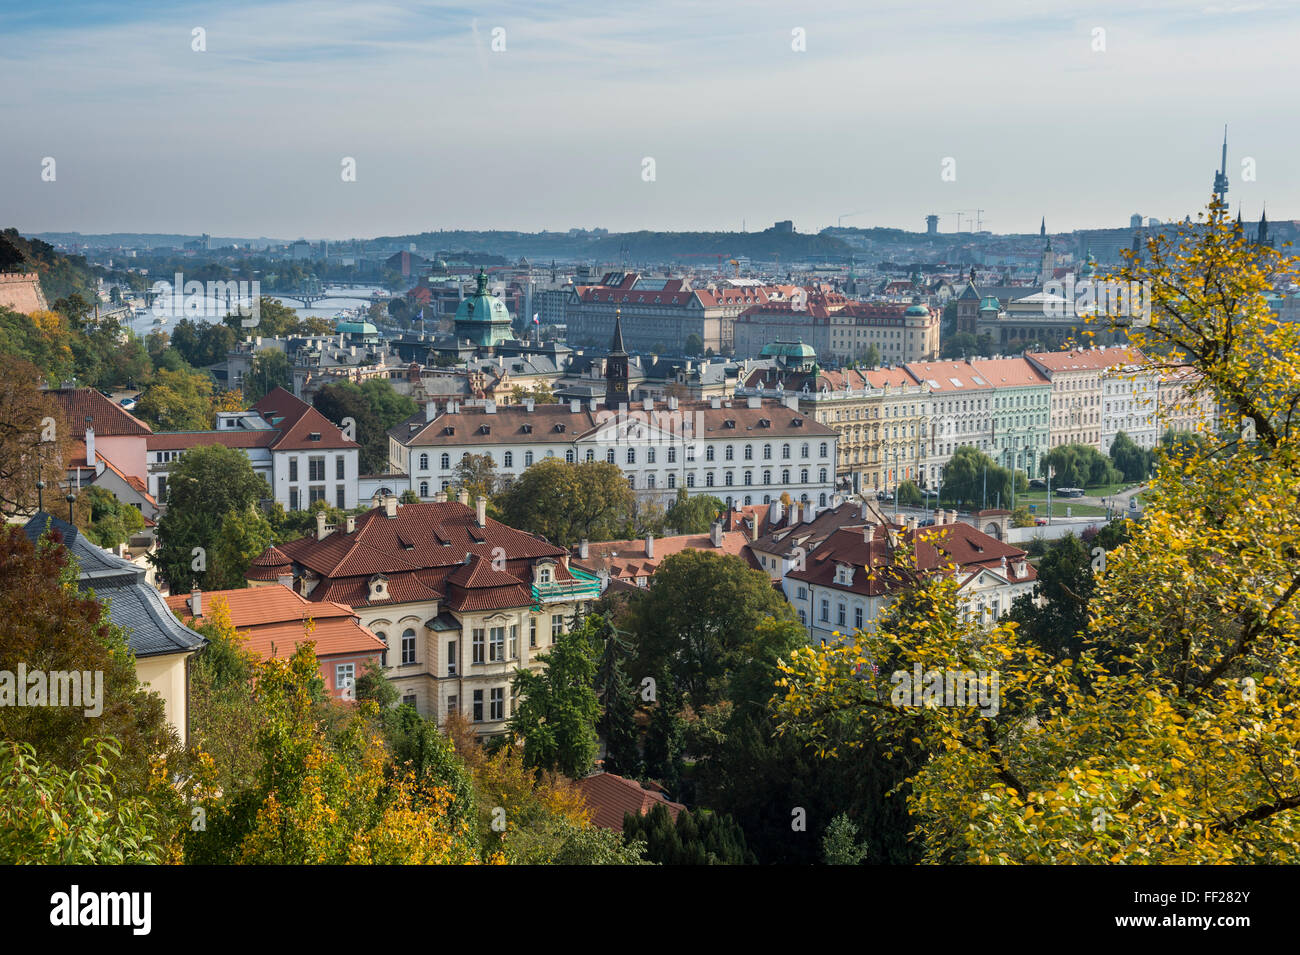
(340, 469)
(631, 481)
(802, 593)
(650, 455)
(803, 617)
(528, 459)
(424, 462)
(785, 452)
(748, 500)
(591, 454)
(609, 455)
(315, 469)
(445, 462)
(729, 478)
(478, 644)
(497, 644)
(857, 617)
(424, 489)
(785, 475)
(514, 641)
(631, 455)
(409, 699)
(544, 575)
(293, 469)
(315, 494)
(839, 615)
(340, 497)
(690, 479)
(690, 452)
(532, 632)
(478, 706)
(672, 455)
(729, 453)
(803, 475)
(708, 453)
(498, 702)
(451, 657)
(570, 456)
(767, 452)
(650, 480)
(749, 452)
(508, 459)
(767, 477)
(821, 478)
(803, 450)
(345, 675)
(826, 610)
(408, 646)
(557, 626)
(383, 654)
(672, 481)
(451, 705)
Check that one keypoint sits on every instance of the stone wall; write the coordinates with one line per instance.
(21, 291)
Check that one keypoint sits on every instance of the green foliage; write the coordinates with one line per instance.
(971, 478)
(693, 515)
(243, 535)
(840, 844)
(178, 400)
(557, 710)
(55, 816)
(104, 519)
(1079, 465)
(694, 345)
(909, 495)
(268, 370)
(1133, 463)
(375, 407)
(703, 838)
(566, 503)
(208, 483)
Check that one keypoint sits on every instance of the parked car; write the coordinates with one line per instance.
(1037, 484)
(1040, 522)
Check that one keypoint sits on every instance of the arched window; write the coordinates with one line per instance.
(528, 459)
(591, 454)
(785, 475)
(383, 654)
(690, 479)
(821, 500)
(821, 476)
(631, 455)
(803, 475)
(508, 459)
(708, 479)
(749, 478)
(748, 500)
(708, 453)
(408, 646)
(729, 479)
(767, 498)
(729, 453)
(672, 455)
(424, 489)
(767, 477)
(749, 452)
(568, 456)
(672, 480)
(767, 452)
(424, 462)
(609, 455)
(446, 461)
(804, 449)
(785, 452)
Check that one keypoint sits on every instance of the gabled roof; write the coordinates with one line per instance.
(611, 797)
(108, 418)
(297, 421)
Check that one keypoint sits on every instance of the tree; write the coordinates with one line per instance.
(700, 623)
(268, 370)
(1170, 737)
(177, 401)
(104, 519)
(375, 407)
(557, 711)
(50, 627)
(566, 503)
(476, 474)
(34, 444)
(540, 393)
(694, 345)
(703, 838)
(872, 357)
(909, 495)
(1079, 465)
(208, 483)
(617, 725)
(972, 478)
(244, 534)
(840, 844)
(1132, 462)
(693, 515)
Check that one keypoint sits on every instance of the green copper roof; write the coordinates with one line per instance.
(787, 350)
(917, 309)
(990, 301)
(356, 328)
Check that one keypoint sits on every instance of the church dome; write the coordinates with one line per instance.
(482, 317)
(917, 310)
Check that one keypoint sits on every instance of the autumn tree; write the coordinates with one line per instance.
(1170, 737)
(34, 442)
(566, 503)
(694, 515)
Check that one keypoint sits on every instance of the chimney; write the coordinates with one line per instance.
(430, 410)
(774, 512)
(866, 511)
(489, 407)
(196, 602)
(715, 533)
(320, 525)
(575, 406)
(440, 497)
(753, 402)
(463, 497)
(715, 403)
(90, 446)
(352, 524)
(390, 505)
(869, 532)
(939, 517)
(810, 511)
(592, 404)
(672, 403)
(952, 516)
(650, 547)
(583, 549)
(528, 404)
(648, 404)
(480, 510)
(285, 580)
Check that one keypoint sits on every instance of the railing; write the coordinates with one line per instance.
(584, 586)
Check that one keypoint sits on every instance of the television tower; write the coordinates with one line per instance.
(1221, 177)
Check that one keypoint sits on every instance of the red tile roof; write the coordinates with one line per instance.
(275, 617)
(1087, 359)
(627, 559)
(297, 421)
(184, 440)
(107, 418)
(611, 797)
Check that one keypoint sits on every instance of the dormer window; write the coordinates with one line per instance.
(314, 436)
(544, 575)
(484, 429)
(378, 588)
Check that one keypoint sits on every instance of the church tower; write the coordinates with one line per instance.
(1047, 263)
(616, 374)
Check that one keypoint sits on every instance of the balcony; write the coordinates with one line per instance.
(583, 586)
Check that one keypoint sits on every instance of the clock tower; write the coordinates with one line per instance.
(616, 368)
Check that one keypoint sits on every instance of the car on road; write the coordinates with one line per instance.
(1037, 484)
(1069, 492)
(1040, 522)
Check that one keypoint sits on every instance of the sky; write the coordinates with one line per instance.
(662, 115)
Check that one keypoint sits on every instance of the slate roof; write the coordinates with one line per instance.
(136, 607)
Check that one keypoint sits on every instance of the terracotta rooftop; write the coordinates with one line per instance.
(108, 418)
(611, 797)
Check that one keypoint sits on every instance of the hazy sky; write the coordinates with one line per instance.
(248, 137)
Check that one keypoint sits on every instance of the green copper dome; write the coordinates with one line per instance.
(917, 310)
(483, 318)
(787, 350)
